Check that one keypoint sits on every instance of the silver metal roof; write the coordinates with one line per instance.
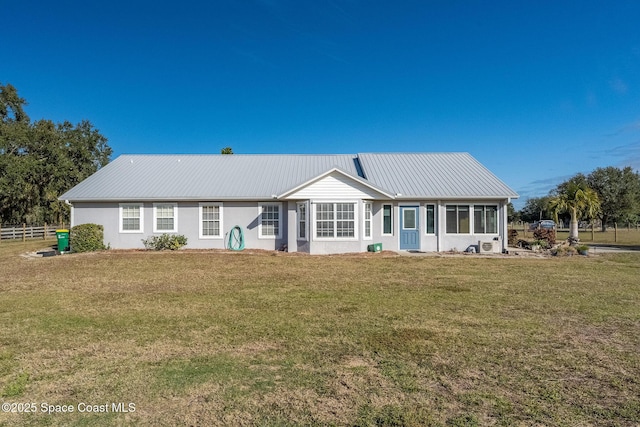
(253, 177)
(433, 175)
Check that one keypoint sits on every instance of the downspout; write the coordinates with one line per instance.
(439, 222)
(71, 219)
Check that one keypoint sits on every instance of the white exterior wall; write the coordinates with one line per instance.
(333, 188)
(244, 214)
(428, 242)
(389, 242)
(462, 241)
(439, 241)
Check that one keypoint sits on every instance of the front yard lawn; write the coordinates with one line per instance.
(213, 338)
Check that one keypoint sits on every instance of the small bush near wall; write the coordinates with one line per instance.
(87, 238)
(165, 241)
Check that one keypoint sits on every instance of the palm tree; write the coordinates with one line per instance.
(575, 197)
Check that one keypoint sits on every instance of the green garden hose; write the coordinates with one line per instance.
(236, 238)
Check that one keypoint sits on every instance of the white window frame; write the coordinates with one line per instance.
(120, 218)
(426, 218)
(175, 217)
(415, 210)
(299, 227)
(201, 220)
(382, 219)
(279, 206)
(367, 208)
(335, 220)
(457, 206)
(484, 218)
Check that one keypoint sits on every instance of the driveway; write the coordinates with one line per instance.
(603, 248)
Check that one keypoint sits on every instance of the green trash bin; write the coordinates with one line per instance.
(63, 241)
(376, 247)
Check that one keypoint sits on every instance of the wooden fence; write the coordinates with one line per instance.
(22, 232)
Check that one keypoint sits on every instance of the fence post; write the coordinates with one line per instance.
(615, 235)
(44, 232)
(593, 225)
(24, 232)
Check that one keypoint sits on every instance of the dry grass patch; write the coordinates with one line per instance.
(201, 338)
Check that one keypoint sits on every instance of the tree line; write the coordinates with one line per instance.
(608, 194)
(40, 160)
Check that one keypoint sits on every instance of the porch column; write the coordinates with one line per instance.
(504, 222)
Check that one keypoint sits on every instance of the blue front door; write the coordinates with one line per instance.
(409, 229)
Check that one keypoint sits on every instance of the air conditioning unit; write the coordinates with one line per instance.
(490, 247)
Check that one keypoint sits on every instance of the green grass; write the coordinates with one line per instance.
(201, 338)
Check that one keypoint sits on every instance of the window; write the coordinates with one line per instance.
(367, 220)
(431, 219)
(302, 221)
(387, 222)
(324, 220)
(485, 219)
(131, 218)
(335, 220)
(346, 220)
(269, 221)
(210, 220)
(409, 218)
(165, 217)
(457, 219)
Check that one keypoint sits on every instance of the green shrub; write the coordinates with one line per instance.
(87, 238)
(544, 244)
(582, 248)
(564, 250)
(165, 241)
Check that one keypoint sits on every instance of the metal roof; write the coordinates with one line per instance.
(433, 175)
(259, 177)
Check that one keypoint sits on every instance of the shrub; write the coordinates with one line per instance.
(564, 250)
(87, 238)
(544, 244)
(165, 241)
(546, 234)
(582, 249)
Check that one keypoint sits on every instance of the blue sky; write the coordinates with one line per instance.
(535, 90)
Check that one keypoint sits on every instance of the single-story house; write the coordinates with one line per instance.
(319, 204)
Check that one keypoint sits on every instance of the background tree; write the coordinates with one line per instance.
(536, 208)
(512, 214)
(226, 150)
(11, 105)
(576, 198)
(619, 193)
(41, 160)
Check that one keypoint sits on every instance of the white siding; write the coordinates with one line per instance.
(334, 186)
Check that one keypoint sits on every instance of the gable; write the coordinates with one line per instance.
(335, 186)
